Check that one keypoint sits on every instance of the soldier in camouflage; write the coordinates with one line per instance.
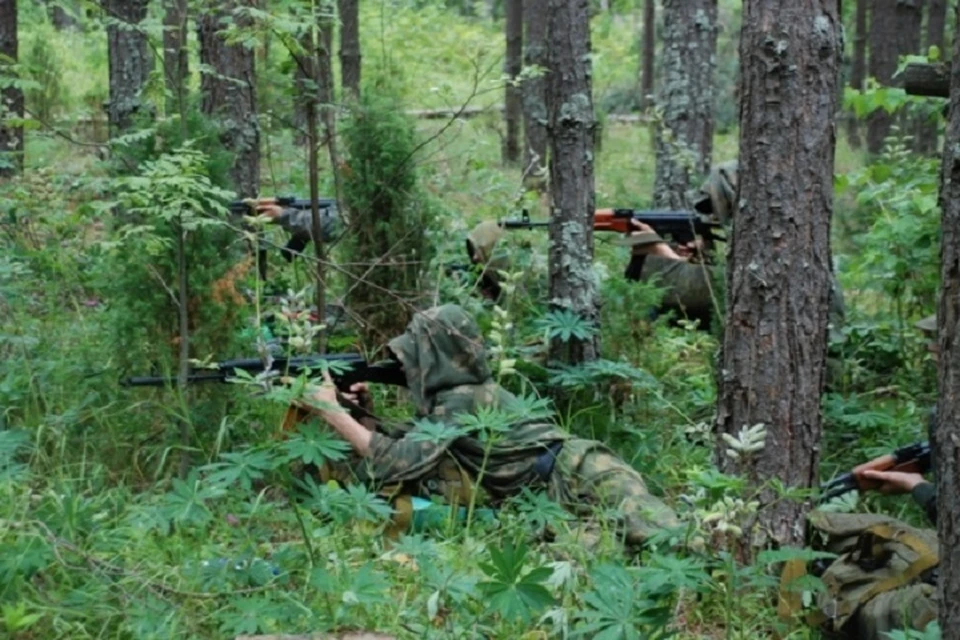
(444, 361)
(908, 599)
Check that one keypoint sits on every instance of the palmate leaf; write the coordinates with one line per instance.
(564, 324)
(313, 446)
(617, 609)
(511, 593)
(185, 504)
(242, 467)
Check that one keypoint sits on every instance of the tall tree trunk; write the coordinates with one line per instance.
(936, 24)
(775, 336)
(927, 130)
(894, 31)
(573, 284)
(229, 95)
(328, 106)
(349, 47)
(129, 59)
(534, 96)
(513, 63)
(11, 98)
(858, 71)
(175, 53)
(647, 46)
(684, 137)
(60, 17)
(947, 454)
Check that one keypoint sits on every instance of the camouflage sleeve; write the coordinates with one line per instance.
(299, 222)
(925, 495)
(404, 459)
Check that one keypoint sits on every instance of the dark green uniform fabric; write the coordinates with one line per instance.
(445, 363)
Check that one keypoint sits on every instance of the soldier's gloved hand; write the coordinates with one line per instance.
(894, 482)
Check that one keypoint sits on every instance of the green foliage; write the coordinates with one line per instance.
(513, 591)
(387, 243)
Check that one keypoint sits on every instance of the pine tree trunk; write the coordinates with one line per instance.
(328, 106)
(947, 454)
(534, 96)
(647, 46)
(858, 71)
(60, 18)
(350, 47)
(894, 31)
(573, 284)
(11, 98)
(778, 280)
(130, 61)
(927, 130)
(229, 95)
(684, 138)
(513, 98)
(175, 53)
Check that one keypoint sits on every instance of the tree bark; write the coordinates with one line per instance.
(60, 18)
(328, 106)
(229, 95)
(175, 53)
(927, 130)
(936, 24)
(647, 45)
(778, 281)
(534, 92)
(349, 47)
(130, 61)
(684, 136)
(894, 31)
(858, 71)
(11, 98)
(947, 450)
(513, 98)
(573, 284)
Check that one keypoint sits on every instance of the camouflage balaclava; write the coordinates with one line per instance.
(442, 348)
(718, 194)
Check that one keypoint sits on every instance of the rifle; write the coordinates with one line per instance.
(345, 369)
(914, 458)
(301, 235)
(287, 202)
(681, 226)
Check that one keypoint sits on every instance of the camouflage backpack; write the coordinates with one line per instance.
(882, 579)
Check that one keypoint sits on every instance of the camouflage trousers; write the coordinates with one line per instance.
(911, 607)
(589, 479)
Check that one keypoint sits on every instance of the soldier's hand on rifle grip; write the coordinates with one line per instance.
(892, 482)
(359, 394)
(269, 208)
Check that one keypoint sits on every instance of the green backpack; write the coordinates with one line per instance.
(883, 572)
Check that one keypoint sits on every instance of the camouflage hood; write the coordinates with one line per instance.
(442, 348)
(718, 194)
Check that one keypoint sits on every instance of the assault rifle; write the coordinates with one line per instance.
(287, 202)
(345, 369)
(299, 228)
(680, 226)
(914, 458)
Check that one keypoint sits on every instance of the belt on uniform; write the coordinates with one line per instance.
(544, 463)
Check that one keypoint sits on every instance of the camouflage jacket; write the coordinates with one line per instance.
(445, 363)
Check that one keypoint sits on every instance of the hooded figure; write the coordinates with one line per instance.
(445, 365)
